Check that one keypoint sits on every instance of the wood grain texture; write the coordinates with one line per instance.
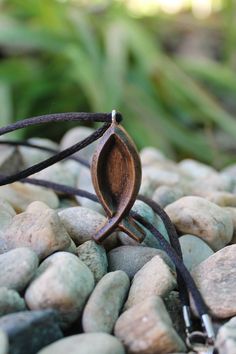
(116, 176)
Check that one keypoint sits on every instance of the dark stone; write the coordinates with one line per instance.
(29, 331)
(131, 259)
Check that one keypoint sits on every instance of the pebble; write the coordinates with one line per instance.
(146, 212)
(10, 301)
(217, 182)
(194, 250)
(105, 303)
(59, 173)
(6, 214)
(84, 182)
(223, 199)
(31, 156)
(82, 223)
(226, 338)
(147, 329)
(148, 281)
(196, 169)
(87, 343)
(94, 256)
(10, 159)
(29, 331)
(150, 155)
(232, 212)
(17, 268)
(3, 343)
(74, 136)
(131, 259)
(62, 282)
(38, 228)
(20, 196)
(165, 195)
(197, 216)
(216, 280)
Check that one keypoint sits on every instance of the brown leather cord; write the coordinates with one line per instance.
(60, 117)
(55, 158)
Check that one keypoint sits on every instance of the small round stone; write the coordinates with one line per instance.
(87, 343)
(154, 278)
(197, 216)
(146, 328)
(94, 256)
(20, 196)
(131, 259)
(17, 268)
(194, 250)
(216, 280)
(63, 282)
(165, 195)
(10, 301)
(38, 228)
(105, 303)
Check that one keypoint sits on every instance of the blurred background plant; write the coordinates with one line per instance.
(167, 65)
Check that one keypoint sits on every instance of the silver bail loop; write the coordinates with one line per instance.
(113, 116)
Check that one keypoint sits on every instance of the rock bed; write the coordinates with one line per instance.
(60, 292)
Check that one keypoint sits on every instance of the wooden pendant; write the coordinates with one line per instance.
(116, 176)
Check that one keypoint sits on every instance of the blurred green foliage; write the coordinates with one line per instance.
(61, 56)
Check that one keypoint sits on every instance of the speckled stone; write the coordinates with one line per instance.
(147, 281)
(29, 331)
(62, 282)
(165, 195)
(94, 256)
(10, 302)
(194, 250)
(216, 280)
(105, 303)
(17, 268)
(131, 259)
(38, 228)
(197, 216)
(20, 196)
(87, 343)
(147, 329)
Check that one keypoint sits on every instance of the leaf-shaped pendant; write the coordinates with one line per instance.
(116, 176)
